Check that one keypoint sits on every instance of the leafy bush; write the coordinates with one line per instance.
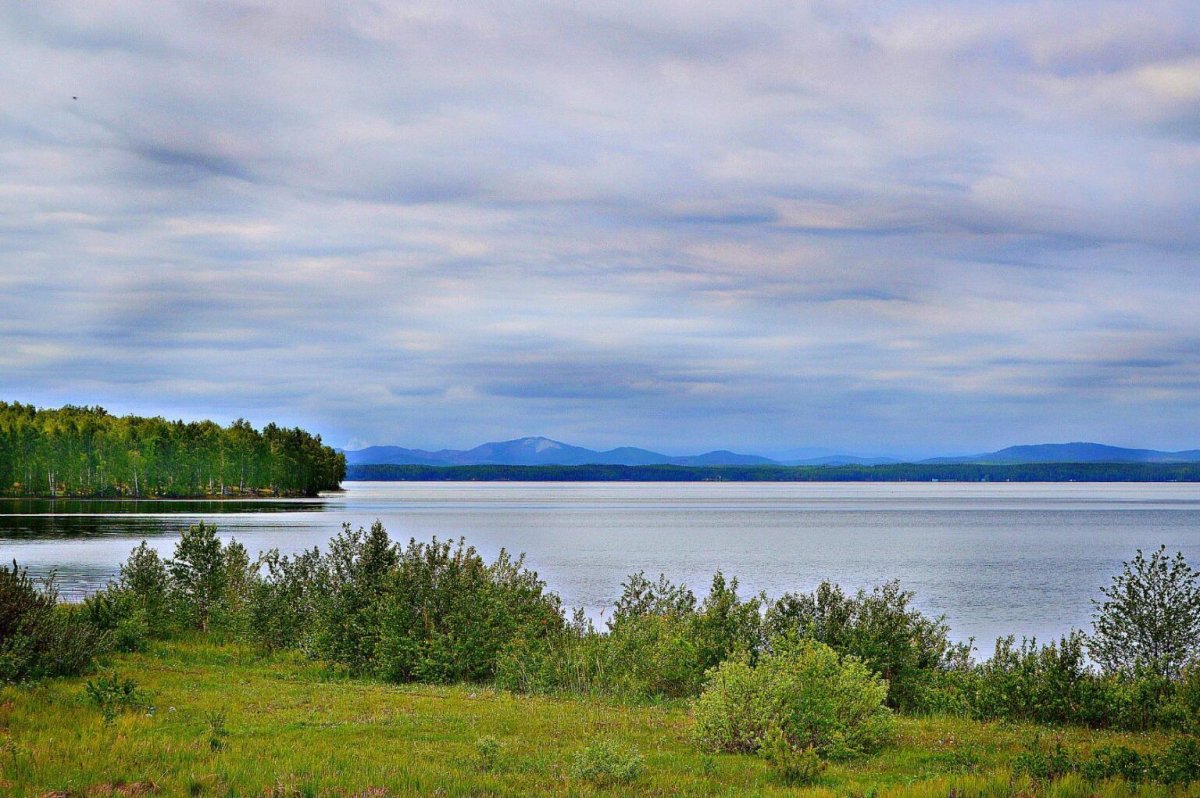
(38, 637)
(198, 575)
(1117, 761)
(795, 766)
(487, 753)
(660, 643)
(1150, 616)
(1030, 682)
(1045, 763)
(447, 615)
(605, 763)
(1181, 709)
(136, 608)
(112, 695)
(1180, 763)
(284, 601)
(802, 687)
(908, 649)
(350, 586)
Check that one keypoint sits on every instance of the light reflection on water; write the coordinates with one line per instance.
(996, 558)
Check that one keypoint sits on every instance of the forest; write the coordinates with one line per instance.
(898, 472)
(85, 451)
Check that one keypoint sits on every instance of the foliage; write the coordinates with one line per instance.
(659, 643)
(83, 451)
(284, 601)
(351, 582)
(795, 766)
(37, 636)
(1150, 616)
(1180, 762)
(1118, 761)
(487, 753)
(801, 687)
(1048, 683)
(908, 649)
(605, 762)
(199, 575)
(899, 472)
(1045, 763)
(447, 615)
(113, 694)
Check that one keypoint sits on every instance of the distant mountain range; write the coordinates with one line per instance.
(543, 451)
(1073, 453)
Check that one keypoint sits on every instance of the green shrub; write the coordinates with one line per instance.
(1180, 763)
(1117, 762)
(284, 601)
(1044, 763)
(908, 649)
(447, 615)
(802, 687)
(487, 753)
(197, 576)
(1181, 709)
(605, 763)
(113, 695)
(1150, 616)
(38, 637)
(113, 610)
(795, 766)
(659, 644)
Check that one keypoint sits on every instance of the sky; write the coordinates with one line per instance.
(884, 228)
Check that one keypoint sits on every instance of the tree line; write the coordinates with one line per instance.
(85, 451)
(897, 472)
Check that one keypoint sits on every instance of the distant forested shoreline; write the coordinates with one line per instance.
(86, 452)
(902, 472)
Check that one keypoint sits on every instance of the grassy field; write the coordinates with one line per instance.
(291, 727)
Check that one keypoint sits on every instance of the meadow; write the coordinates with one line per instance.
(226, 720)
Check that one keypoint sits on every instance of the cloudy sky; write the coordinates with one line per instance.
(905, 228)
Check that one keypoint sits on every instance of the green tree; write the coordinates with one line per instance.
(1150, 616)
(198, 573)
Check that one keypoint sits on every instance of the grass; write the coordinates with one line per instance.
(285, 726)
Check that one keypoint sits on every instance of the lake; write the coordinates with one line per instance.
(995, 558)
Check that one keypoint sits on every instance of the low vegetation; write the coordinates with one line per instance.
(229, 676)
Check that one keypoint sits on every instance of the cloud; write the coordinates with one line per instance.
(901, 229)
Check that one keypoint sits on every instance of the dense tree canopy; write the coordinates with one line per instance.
(84, 451)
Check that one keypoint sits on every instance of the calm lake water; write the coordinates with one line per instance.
(995, 558)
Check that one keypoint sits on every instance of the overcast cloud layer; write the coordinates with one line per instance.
(892, 228)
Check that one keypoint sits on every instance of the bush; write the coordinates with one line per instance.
(487, 753)
(908, 649)
(1180, 763)
(447, 615)
(606, 763)
(136, 608)
(1117, 761)
(1150, 616)
(1045, 763)
(660, 643)
(198, 575)
(1048, 684)
(39, 638)
(795, 766)
(284, 601)
(112, 695)
(803, 688)
(1181, 710)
